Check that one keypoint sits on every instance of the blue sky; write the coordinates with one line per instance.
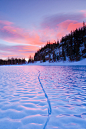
(27, 25)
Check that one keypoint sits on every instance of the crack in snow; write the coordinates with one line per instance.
(48, 101)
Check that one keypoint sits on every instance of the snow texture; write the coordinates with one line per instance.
(43, 97)
(61, 63)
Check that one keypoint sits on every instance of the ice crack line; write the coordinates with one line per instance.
(48, 101)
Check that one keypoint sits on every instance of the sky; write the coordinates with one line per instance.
(27, 25)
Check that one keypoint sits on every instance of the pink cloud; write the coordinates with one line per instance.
(2, 22)
(5, 55)
(52, 28)
(47, 34)
(73, 26)
(60, 34)
(11, 33)
(53, 20)
(19, 51)
(67, 26)
(83, 12)
(62, 24)
(61, 29)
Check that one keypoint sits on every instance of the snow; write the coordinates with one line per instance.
(61, 63)
(39, 97)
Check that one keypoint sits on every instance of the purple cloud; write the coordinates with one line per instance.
(17, 51)
(54, 20)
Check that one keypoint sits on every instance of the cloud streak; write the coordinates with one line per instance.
(51, 28)
(62, 24)
(18, 51)
(54, 20)
(11, 33)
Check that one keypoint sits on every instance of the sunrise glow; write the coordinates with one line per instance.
(25, 32)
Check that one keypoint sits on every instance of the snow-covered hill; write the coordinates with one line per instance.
(72, 48)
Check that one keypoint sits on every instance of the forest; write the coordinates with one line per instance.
(12, 61)
(71, 47)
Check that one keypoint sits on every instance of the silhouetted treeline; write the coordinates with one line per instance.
(72, 47)
(31, 60)
(12, 61)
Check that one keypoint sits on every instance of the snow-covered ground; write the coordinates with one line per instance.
(42, 97)
(61, 63)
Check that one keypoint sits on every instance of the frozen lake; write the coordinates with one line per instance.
(42, 97)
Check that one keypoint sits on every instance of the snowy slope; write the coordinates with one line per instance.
(62, 63)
